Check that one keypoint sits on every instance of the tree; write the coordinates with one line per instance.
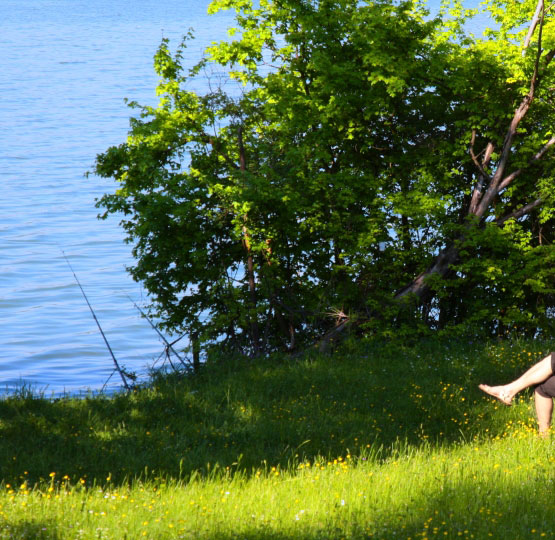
(359, 149)
(513, 176)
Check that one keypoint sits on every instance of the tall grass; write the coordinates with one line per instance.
(375, 441)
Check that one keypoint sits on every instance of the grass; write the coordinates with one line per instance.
(376, 441)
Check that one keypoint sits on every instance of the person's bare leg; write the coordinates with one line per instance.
(544, 411)
(535, 375)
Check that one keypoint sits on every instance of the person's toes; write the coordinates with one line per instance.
(497, 392)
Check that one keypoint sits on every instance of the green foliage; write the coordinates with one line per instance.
(504, 285)
(332, 170)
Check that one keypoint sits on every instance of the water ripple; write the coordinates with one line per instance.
(65, 67)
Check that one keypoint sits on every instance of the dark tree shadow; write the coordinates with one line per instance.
(243, 415)
(29, 530)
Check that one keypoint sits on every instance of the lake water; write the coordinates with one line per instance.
(65, 68)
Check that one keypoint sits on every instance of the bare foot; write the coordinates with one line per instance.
(498, 392)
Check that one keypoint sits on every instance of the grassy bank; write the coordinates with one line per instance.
(378, 441)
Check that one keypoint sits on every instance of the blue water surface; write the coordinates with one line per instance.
(65, 68)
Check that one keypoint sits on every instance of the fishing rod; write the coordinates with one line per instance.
(168, 345)
(118, 368)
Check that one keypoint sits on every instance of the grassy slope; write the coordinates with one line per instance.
(377, 441)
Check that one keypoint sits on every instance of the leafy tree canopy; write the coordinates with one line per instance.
(363, 165)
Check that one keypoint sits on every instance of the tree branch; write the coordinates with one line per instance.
(475, 159)
(526, 209)
(476, 195)
(533, 24)
(478, 188)
(215, 145)
(508, 179)
(324, 343)
(520, 113)
(242, 153)
(487, 155)
(549, 57)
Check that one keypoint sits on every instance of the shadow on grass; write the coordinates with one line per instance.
(242, 415)
(29, 530)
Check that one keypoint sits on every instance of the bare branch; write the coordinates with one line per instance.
(487, 154)
(520, 113)
(508, 179)
(440, 267)
(549, 57)
(476, 195)
(526, 209)
(475, 159)
(478, 188)
(533, 24)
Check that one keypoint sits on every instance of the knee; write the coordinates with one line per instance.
(546, 389)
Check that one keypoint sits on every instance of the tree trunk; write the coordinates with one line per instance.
(487, 187)
(418, 287)
(196, 351)
(486, 190)
(255, 333)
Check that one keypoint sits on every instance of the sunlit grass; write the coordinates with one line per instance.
(380, 441)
